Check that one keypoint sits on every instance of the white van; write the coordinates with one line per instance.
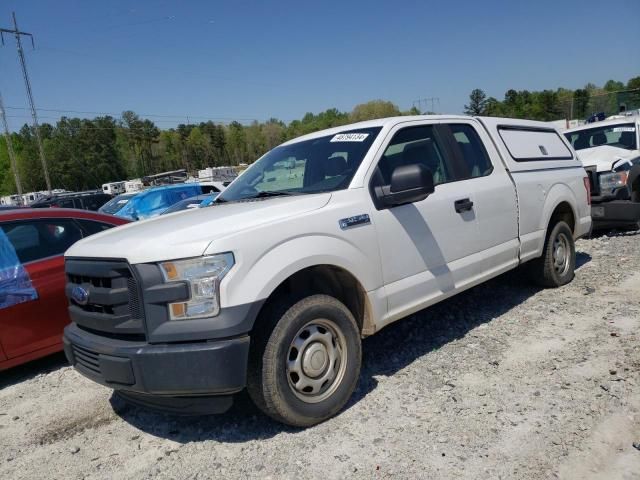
(113, 188)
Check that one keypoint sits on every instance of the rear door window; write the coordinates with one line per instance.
(468, 146)
(38, 239)
(531, 144)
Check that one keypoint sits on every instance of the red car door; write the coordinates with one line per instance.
(35, 324)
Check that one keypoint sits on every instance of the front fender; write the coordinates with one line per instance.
(256, 279)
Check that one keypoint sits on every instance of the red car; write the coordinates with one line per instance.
(33, 305)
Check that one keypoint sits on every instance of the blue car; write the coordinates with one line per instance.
(152, 202)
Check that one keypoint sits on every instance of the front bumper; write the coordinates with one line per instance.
(137, 368)
(615, 213)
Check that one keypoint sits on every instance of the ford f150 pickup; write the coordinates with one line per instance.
(610, 152)
(323, 241)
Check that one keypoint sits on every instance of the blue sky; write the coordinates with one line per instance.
(255, 60)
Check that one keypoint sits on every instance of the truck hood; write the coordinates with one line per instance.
(605, 157)
(188, 233)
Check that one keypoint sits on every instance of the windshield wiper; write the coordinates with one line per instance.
(263, 194)
(269, 193)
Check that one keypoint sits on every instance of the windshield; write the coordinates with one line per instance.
(621, 135)
(115, 204)
(322, 164)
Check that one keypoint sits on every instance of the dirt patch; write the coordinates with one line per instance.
(68, 427)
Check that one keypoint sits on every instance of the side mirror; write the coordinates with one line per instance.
(409, 183)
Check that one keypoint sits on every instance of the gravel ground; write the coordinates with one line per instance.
(502, 381)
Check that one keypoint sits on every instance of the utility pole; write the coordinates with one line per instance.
(12, 155)
(27, 84)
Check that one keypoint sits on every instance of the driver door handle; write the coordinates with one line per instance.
(463, 205)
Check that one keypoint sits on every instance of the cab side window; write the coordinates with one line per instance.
(471, 150)
(414, 145)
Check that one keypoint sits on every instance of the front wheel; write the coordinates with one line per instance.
(305, 363)
(556, 266)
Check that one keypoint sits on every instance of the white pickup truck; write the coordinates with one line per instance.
(610, 152)
(321, 242)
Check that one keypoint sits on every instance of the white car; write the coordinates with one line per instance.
(610, 152)
(321, 242)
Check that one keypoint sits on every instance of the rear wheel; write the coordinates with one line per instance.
(305, 363)
(556, 266)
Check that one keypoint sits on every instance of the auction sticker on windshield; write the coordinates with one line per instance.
(350, 137)
(624, 129)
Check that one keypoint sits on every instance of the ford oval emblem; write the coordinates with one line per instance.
(80, 295)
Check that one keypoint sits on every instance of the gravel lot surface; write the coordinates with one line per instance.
(502, 381)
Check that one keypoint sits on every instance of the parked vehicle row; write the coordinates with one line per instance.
(154, 201)
(324, 240)
(144, 204)
(89, 200)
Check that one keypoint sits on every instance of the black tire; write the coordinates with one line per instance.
(545, 270)
(270, 380)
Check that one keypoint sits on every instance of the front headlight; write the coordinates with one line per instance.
(610, 181)
(203, 274)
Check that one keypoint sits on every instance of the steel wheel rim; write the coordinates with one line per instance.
(316, 361)
(561, 254)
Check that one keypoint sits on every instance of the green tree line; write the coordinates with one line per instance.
(557, 104)
(85, 153)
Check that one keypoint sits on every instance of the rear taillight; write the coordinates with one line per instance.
(587, 187)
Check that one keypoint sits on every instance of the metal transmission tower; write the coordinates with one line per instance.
(12, 155)
(27, 84)
(426, 101)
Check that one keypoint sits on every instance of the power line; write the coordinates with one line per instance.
(27, 84)
(151, 115)
(170, 122)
